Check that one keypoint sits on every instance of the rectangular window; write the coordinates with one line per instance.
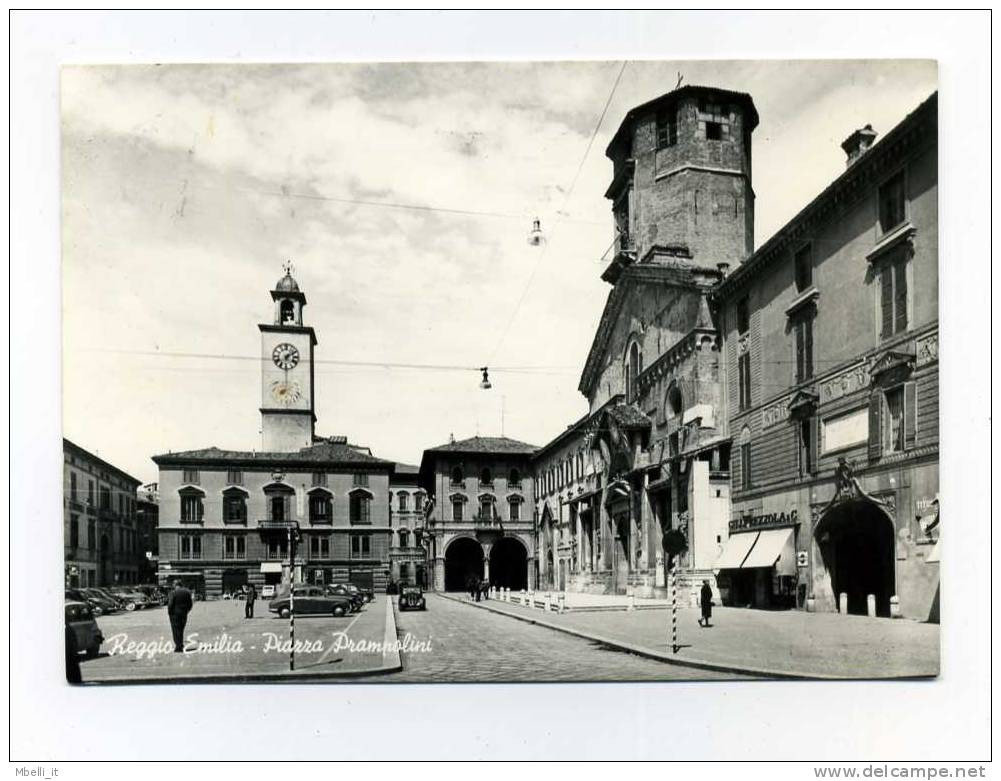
(72, 486)
(743, 316)
(807, 446)
(892, 203)
(361, 479)
(190, 477)
(803, 327)
(319, 479)
(234, 476)
(361, 546)
(486, 510)
(745, 465)
(229, 547)
(91, 535)
(404, 502)
(803, 262)
(714, 131)
(515, 513)
(74, 531)
(90, 493)
(320, 508)
(319, 547)
(191, 509)
(191, 546)
(419, 503)
(234, 508)
(241, 547)
(360, 508)
(893, 296)
(105, 497)
(667, 128)
(893, 432)
(457, 509)
(744, 379)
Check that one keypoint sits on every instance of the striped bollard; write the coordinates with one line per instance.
(674, 605)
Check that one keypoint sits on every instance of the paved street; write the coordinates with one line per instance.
(223, 643)
(469, 644)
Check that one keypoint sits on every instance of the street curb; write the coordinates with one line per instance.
(649, 653)
(391, 663)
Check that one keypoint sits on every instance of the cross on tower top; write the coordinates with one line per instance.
(287, 267)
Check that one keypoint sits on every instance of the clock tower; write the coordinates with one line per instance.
(287, 405)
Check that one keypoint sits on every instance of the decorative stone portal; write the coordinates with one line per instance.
(463, 560)
(856, 543)
(509, 564)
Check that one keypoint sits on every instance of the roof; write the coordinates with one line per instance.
(67, 444)
(325, 452)
(486, 445)
(892, 146)
(682, 92)
(628, 416)
(287, 284)
(407, 469)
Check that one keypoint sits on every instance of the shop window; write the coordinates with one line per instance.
(667, 127)
(892, 203)
(893, 295)
(803, 328)
(361, 546)
(803, 263)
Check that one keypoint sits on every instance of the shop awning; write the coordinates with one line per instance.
(932, 557)
(735, 551)
(271, 566)
(772, 546)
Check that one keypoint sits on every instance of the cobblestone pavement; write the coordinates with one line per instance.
(468, 644)
(232, 645)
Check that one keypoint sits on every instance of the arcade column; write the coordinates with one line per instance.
(439, 573)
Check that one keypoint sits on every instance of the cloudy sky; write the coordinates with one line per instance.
(403, 194)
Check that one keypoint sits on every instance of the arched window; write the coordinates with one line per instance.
(288, 312)
(404, 538)
(486, 477)
(745, 458)
(192, 505)
(360, 506)
(674, 400)
(514, 479)
(457, 476)
(404, 501)
(234, 505)
(320, 506)
(634, 366)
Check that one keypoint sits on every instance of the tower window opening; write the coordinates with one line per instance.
(667, 128)
(714, 131)
(287, 312)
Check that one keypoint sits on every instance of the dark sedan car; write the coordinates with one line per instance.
(412, 598)
(341, 589)
(311, 600)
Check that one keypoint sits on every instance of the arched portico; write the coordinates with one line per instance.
(463, 560)
(856, 544)
(509, 564)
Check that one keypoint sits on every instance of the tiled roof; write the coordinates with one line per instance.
(322, 452)
(491, 445)
(629, 416)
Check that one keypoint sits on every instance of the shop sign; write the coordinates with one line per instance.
(802, 558)
(746, 522)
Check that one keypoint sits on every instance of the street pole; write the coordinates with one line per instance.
(674, 604)
(291, 598)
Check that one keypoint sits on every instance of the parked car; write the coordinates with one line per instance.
(366, 591)
(80, 618)
(77, 595)
(311, 600)
(156, 595)
(412, 598)
(134, 600)
(268, 591)
(357, 600)
(108, 602)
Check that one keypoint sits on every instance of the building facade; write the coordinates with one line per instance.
(831, 351)
(228, 518)
(407, 556)
(479, 523)
(147, 523)
(101, 546)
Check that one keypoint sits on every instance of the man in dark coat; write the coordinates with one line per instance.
(72, 657)
(178, 606)
(251, 599)
(706, 603)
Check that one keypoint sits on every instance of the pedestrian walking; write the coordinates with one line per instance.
(248, 611)
(706, 603)
(178, 606)
(72, 657)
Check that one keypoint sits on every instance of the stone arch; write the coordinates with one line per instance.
(463, 560)
(509, 563)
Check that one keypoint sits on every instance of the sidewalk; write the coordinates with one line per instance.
(223, 646)
(786, 644)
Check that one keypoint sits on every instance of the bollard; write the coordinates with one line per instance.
(843, 603)
(547, 603)
(562, 604)
(870, 605)
(632, 602)
(894, 606)
(523, 598)
(811, 605)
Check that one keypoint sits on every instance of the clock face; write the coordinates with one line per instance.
(286, 393)
(285, 356)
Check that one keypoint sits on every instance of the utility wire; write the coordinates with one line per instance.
(566, 200)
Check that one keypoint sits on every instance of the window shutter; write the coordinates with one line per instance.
(875, 425)
(886, 299)
(808, 347)
(800, 350)
(900, 296)
(910, 414)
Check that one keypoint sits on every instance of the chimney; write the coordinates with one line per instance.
(858, 143)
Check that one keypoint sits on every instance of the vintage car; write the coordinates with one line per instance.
(411, 598)
(311, 600)
(268, 591)
(80, 619)
(346, 590)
